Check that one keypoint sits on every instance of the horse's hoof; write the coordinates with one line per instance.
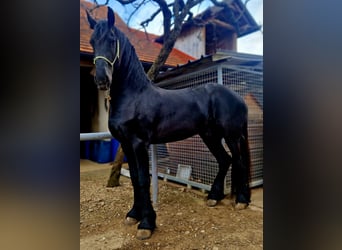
(211, 203)
(143, 234)
(130, 221)
(241, 206)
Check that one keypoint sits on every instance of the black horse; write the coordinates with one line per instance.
(142, 114)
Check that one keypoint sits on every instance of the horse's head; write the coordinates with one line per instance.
(106, 49)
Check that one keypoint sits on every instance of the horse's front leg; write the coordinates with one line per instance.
(134, 215)
(142, 209)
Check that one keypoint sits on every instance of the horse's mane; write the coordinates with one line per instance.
(101, 30)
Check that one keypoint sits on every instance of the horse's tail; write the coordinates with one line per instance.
(245, 150)
(241, 174)
(246, 162)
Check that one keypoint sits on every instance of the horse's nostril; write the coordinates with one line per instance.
(101, 83)
(101, 80)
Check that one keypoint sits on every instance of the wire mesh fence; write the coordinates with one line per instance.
(192, 154)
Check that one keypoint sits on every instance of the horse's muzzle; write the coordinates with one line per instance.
(102, 84)
(103, 81)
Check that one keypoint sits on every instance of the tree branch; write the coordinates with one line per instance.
(135, 10)
(147, 21)
(167, 16)
(125, 2)
(98, 5)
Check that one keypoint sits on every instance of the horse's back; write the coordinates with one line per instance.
(217, 101)
(218, 90)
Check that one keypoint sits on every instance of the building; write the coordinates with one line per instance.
(217, 28)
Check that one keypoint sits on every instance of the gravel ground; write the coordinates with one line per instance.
(183, 219)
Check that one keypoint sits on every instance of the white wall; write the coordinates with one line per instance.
(192, 43)
(100, 121)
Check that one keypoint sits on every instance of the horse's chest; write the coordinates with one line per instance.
(129, 128)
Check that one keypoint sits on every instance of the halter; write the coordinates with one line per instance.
(115, 58)
(107, 93)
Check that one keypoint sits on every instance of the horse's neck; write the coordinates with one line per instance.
(129, 76)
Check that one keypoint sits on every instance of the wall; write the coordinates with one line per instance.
(100, 121)
(192, 42)
(219, 38)
(94, 117)
(88, 99)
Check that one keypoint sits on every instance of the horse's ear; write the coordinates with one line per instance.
(91, 21)
(110, 17)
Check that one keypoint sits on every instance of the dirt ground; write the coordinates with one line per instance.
(183, 219)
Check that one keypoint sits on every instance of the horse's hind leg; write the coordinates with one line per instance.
(240, 171)
(224, 160)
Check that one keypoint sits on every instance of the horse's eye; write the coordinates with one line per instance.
(110, 36)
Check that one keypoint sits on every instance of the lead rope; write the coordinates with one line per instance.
(107, 99)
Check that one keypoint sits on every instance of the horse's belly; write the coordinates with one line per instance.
(174, 132)
(172, 137)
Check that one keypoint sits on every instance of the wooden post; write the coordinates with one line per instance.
(114, 177)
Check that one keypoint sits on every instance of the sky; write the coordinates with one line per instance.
(252, 44)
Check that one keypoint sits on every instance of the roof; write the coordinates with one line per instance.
(220, 17)
(145, 47)
(245, 21)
